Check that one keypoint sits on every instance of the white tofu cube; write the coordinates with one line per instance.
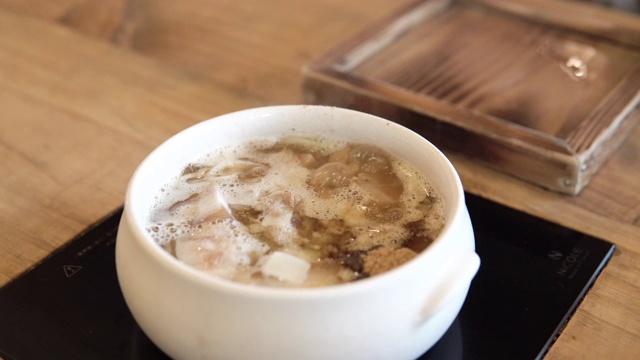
(286, 267)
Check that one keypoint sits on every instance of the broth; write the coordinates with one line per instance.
(299, 211)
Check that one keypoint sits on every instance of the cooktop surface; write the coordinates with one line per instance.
(533, 276)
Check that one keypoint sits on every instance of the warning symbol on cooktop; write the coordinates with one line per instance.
(70, 270)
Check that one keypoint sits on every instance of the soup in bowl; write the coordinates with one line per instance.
(295, 232)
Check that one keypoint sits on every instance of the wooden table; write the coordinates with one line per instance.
(89, 87)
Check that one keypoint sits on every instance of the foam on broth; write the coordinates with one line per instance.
(297, 211)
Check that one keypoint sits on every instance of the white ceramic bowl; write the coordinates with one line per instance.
(397, 315)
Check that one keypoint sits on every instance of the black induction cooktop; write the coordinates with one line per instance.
(533, 276)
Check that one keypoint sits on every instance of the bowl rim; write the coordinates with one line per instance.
(191, 274)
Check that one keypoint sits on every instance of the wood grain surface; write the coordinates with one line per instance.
(89, 87)
(547, 104)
